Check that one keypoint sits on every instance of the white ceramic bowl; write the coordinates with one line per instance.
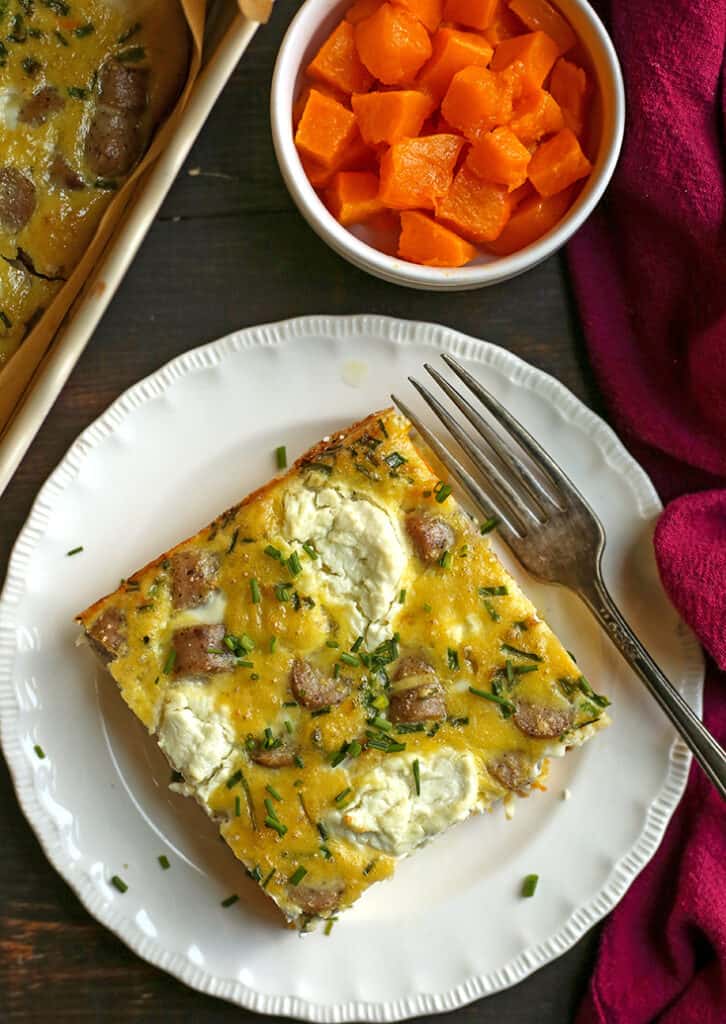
(307, 31)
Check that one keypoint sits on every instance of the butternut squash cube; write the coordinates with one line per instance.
(417, 172)
(433, 245)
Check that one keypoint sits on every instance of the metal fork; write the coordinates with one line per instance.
(552, 531)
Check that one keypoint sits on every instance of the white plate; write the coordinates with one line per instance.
(166, 457)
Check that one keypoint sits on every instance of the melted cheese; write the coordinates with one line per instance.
(328, 551)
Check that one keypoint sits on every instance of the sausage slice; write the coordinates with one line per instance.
(123, 87)
(541, 722)
(17, 199)
(38, 108)
(412, 665)
(107, 635)
(512, 770)
(275, 757)
(316, 900)
(200, 649)
(314, 690)
(431, 536)
(193, 577)
(114, 143)
(422, 703)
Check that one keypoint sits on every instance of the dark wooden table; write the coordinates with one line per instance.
(229, 250)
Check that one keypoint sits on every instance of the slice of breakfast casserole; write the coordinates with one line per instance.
(339, 668)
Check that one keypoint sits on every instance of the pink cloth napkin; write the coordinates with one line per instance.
(649, 272)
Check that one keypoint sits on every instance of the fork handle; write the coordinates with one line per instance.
(707, 751)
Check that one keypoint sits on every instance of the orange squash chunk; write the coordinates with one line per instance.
(417, 172)
(386, 117)
(535, 50)
(477, 101)
(532, 218)
(337, 63)
(355, 157)
(568, 85)
(535, 115)
(476, 209)
(557, 163)
(500, 157)
(452, 52)
(538, 14)
(503, 25)
(300, 103)
(428, 12)
(361, 9)
(392, 44)
(325, 129)
(352, 196)
(472, 13)
(424, 241)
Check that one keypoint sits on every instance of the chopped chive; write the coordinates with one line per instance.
(39, 752)
(289, 703)
(255, 591)
(458, 721)
(427, 608)
(369, 867)
(329, 925)
(349, 659)
(529, 885)
(164, 861)
(244, 663)
(246, 643)
(293, 564)
(597, 698)
(320, 712)
(491, 610)
(234, 779)
(230, 900)
(339, 756)
(268, 879)
(381, 723)
(84, 30)
(321, 467)
(288, 725)
(342, 796)
(170, 662)
(283, 591)
(332, 643)
(382, 426)
(489, 524)
(357, 645)
(509, 669)
(118, 883)
(273, 552)
(452, 656)
(278, 827)
(74, 551)
(298, 761)
(417, 777)
(273, 792)
(394, 460)
(506, 706)
(237, 806)
(354, 748)
(522, 654)
(445, 560)
(406, 727)
(309, 550)
(402, 596)
(273, 644)
(297, 876)
(442, 492)
(132, 55)
(270, 807)
(324, 834)
(493, 591)
(281, 456)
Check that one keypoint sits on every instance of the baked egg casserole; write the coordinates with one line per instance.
(83, 84)
(339, 668)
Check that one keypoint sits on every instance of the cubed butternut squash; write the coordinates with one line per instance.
(535, 115)
(536, 51)
(361, 9)
(503, 25)
(355, 157)
(428, 12)
(476, 209)
(568, 86)
(477, 101)
(557, 163)
(417, 172)
(472, 13)
(325, 129)
(299, 104)
(386, 117)
(531, 219)
(433, 245)
(392, 44)
(501, 158)
(352, 196)
(452, 52)
(337, 63)
(541, 15)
